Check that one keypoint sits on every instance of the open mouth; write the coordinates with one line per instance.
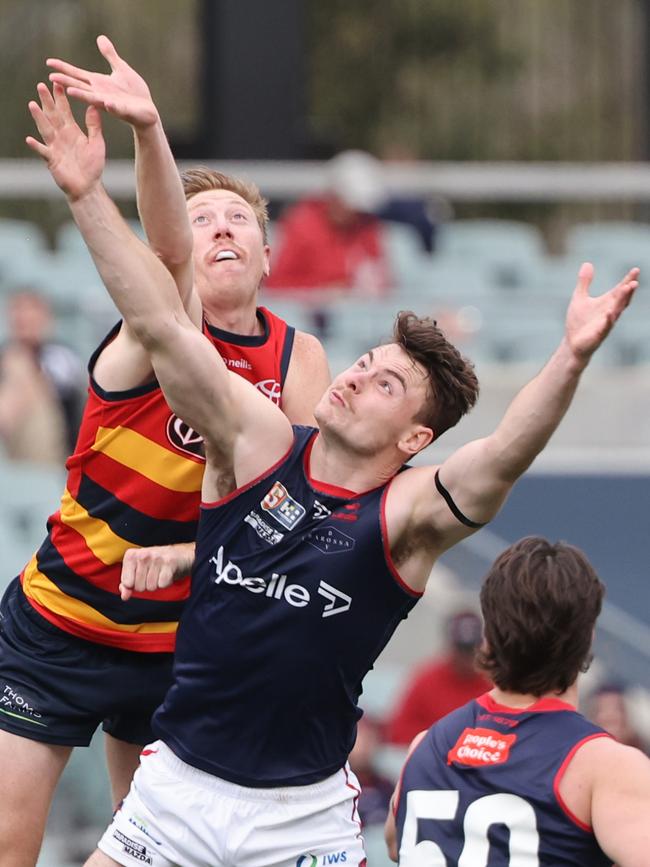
(225, 256)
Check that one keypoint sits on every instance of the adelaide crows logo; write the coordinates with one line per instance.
(185, 438)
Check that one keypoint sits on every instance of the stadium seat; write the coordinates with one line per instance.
(517, 335)
(509, 249)
(405, 255)
(621, 244)
(21, 244)
(30, 492)
(448, 284)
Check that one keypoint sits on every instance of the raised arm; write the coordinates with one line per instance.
(244, 432)
(479, 475)
(161, 200)
(441, 505)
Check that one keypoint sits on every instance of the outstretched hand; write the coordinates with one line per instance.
(75, 159)
(123, 93)
(590, 319)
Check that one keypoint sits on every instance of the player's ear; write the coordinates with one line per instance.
(418, 438)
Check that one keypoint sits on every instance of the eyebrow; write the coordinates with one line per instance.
(387, 372)
(207, 204)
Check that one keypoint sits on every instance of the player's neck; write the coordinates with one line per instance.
(236, 318)
(524, 700)
(334, 464)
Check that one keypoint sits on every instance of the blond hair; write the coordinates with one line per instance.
(201, 179)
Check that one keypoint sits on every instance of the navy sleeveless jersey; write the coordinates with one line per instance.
(482, 788)
(293, 597)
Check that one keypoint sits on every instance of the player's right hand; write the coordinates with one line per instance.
(75, 159)
(123, 93)
(145, 570)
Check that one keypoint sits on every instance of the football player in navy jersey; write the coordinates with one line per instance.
(518, 776)
(304, 570)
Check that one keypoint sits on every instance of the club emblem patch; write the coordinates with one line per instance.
(282, 507)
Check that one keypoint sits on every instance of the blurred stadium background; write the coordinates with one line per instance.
(528, 129)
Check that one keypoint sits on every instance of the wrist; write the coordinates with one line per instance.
(574, 360)
(149, 126)
(84, 194)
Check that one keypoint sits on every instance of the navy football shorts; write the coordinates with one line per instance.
(57, 688)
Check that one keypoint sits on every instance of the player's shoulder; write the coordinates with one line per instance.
(412, 481)
(308, 350)
(603, 751)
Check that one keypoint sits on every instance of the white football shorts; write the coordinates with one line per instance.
(178, 816)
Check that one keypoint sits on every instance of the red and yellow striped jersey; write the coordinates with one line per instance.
(134, 480)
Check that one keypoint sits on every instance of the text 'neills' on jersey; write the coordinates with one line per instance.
(134, 480)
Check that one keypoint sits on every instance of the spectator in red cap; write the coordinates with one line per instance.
(442, 685)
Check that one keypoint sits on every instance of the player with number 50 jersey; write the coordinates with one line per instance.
(517, 777)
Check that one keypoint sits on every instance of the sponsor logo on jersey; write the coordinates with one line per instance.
(270, 388)
(16, 704)
(330, 540)
(131, 847)
(310, 860)
(282, 507)
(320, 511)
(238, 363)
(349, 512)
(185, 438)
(263, 530)
(481, 747)
(337, 602)
(276, 587)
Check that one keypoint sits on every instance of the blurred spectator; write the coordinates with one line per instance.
(441, 686)
(412, 210)
(376, 790)
(41, 384)
(607, 707)
(334, 241)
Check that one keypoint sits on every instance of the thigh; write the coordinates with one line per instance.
(122, 760)
(30, 772)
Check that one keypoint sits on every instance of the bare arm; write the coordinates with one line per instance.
(390, 827)
(620, 806)
(479, 475)
(161, 200)
(243, 431)
(307, 378)
(607, 786)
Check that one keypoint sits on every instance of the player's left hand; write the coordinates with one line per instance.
(75, 159)
(150, 569)
(590, 318)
